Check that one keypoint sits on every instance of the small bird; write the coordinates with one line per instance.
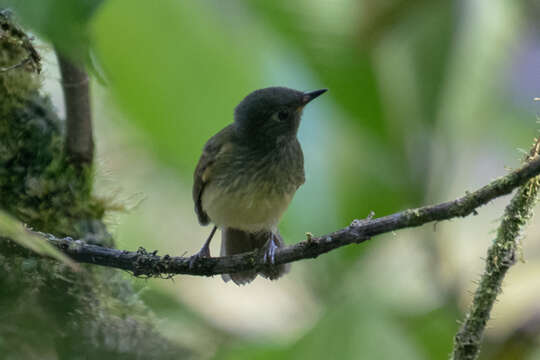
(248, 174)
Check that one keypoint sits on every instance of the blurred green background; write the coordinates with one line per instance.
(428, 99)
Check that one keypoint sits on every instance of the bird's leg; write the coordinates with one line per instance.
(205, 250)
(270, 250)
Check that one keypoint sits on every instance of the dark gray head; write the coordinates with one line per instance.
(272, 113)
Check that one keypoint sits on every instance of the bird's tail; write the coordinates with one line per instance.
(235, 241)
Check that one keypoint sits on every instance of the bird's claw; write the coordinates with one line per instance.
(203, 253)
(270, 251)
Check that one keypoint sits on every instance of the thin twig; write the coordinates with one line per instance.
(501, 256)
(144, 263)
(18, 65)
(79, 138)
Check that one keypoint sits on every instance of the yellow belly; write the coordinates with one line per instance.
(247, 210)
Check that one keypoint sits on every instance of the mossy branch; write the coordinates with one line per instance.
(501, 255)
(144, 263)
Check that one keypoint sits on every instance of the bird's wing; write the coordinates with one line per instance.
(203, 171)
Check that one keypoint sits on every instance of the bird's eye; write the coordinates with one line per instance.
(283, 114)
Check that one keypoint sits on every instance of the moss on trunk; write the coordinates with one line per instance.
(48, 310)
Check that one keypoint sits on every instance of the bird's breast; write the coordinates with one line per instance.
(251, 192)
(252, 209)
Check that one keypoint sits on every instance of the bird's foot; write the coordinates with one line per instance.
(270, 251)
(205, 250)
(203, 253)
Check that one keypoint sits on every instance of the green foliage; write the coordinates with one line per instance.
(63, 22)
(15, 231)
(49, 309)
(172, 73)
(415, 88)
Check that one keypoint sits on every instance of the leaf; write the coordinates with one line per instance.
(175, 70)
(64, 23)
(15, 231)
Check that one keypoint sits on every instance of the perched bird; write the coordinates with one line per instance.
(247, 176)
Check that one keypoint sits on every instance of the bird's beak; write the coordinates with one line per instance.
(310, 95)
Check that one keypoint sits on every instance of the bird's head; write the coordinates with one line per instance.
(272, 113)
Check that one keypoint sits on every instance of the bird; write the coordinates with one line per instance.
(248, 174)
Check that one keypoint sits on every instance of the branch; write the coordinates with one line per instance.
(144, 263)
(16, 66)
(501, 255)
(79, 139)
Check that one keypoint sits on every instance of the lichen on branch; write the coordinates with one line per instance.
(500, 257)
